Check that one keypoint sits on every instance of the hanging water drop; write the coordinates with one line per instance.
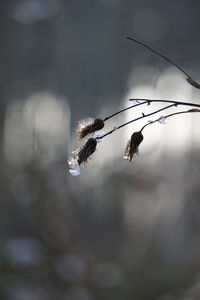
(162, 120)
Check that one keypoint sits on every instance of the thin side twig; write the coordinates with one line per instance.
(122, 110)
(170, 115)
(166, 101)
(189, 78)
(134, 120)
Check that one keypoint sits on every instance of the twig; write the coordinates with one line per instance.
(189, 79)
(134, 120)
(127, 108)
(170, 115)
(166, 101)
(149, 101)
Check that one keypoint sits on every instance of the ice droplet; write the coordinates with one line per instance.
(126, 152)
(75, 171)
(74, 167)
(97, 134)
(137, 101)
(162, 120)
(126, 155)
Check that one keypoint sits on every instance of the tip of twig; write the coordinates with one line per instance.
(194, 110)
(193, 83)
(131, 39)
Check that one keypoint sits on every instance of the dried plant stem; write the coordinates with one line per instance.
(170, 115)
(127, 108)
(149, 101)
(146, 101)
(134, 120)
(189, 78)
(176, 103)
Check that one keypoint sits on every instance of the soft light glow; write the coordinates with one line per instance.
(170, 84)
(31, 11)
(40, 125)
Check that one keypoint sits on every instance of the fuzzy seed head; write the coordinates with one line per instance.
(89, 126)
(132, 145)
(88, 148)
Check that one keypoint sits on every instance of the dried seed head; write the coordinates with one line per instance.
(88, 148)
(89, 126)
(132, 145)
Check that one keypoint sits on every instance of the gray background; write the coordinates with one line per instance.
(118, 231)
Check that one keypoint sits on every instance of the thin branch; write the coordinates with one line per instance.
(134, 120)
(166, 101)
(127, 108)
(170, 115)
(149, 101)
(189, 78)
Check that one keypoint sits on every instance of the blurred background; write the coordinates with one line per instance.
(120, 230)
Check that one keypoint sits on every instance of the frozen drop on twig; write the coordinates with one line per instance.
(162, 120)
(138, 101)
(98, 134)
(75, 170)
(74, 167)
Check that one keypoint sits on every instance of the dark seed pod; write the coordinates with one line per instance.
(87, 150)
(92, 126)
(132, 145)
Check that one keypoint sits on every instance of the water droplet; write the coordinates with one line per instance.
(126, 155)
(97, 134)
(162, 120)
(75, 171)
(138, 101)
(74, 167)
(126, 151)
